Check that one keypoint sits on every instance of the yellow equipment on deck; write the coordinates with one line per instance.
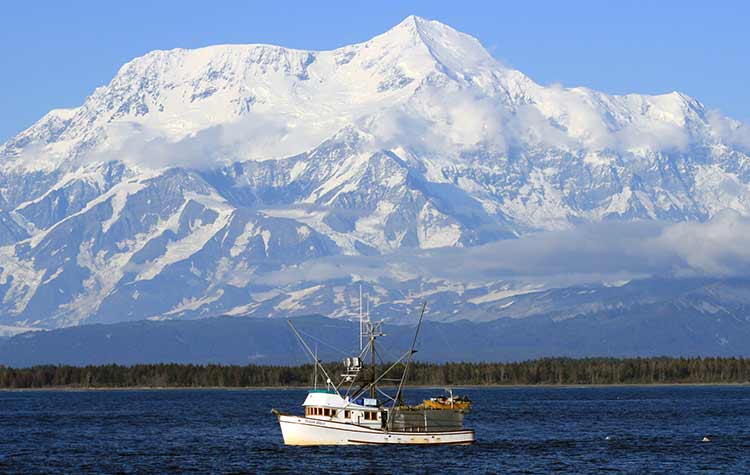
(450, 402)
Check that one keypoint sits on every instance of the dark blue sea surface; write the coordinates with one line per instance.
(519, 430)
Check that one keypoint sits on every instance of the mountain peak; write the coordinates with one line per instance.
(414, 23)
(456, 51)
(418, 24)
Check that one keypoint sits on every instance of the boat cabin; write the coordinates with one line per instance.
(327, 405)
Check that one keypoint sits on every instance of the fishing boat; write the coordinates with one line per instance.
(355, 410)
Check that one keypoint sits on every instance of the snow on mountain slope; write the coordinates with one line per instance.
(178, 189)
(172, 94)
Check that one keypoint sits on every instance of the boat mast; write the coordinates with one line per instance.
(361, 322)
(372, 353)
(373, 330)
(315, 368)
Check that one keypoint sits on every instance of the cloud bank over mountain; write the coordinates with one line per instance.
(595, 252)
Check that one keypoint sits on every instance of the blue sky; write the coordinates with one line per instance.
(53, 54)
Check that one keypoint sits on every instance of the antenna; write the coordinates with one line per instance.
(315, 368)
(361, 322)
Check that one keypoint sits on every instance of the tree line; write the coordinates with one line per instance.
(561, 371)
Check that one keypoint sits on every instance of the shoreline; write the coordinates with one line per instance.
(302, 388)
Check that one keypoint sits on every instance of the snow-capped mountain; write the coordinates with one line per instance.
(190, 183)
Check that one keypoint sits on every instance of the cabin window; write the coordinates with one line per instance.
(347, 414)
(320, 411)
(371, 416)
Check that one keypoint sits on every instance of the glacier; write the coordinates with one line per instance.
(191, 182)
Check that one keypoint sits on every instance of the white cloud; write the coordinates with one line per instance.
(591, 253)
(718, 247)
(654, 135)
(254, 137)
(732, 132)
(440, 120)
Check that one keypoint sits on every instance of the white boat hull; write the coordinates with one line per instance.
(298, 430)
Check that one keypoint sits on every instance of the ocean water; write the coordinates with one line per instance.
(519, 430)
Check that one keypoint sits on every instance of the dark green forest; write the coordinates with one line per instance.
(562, 371)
